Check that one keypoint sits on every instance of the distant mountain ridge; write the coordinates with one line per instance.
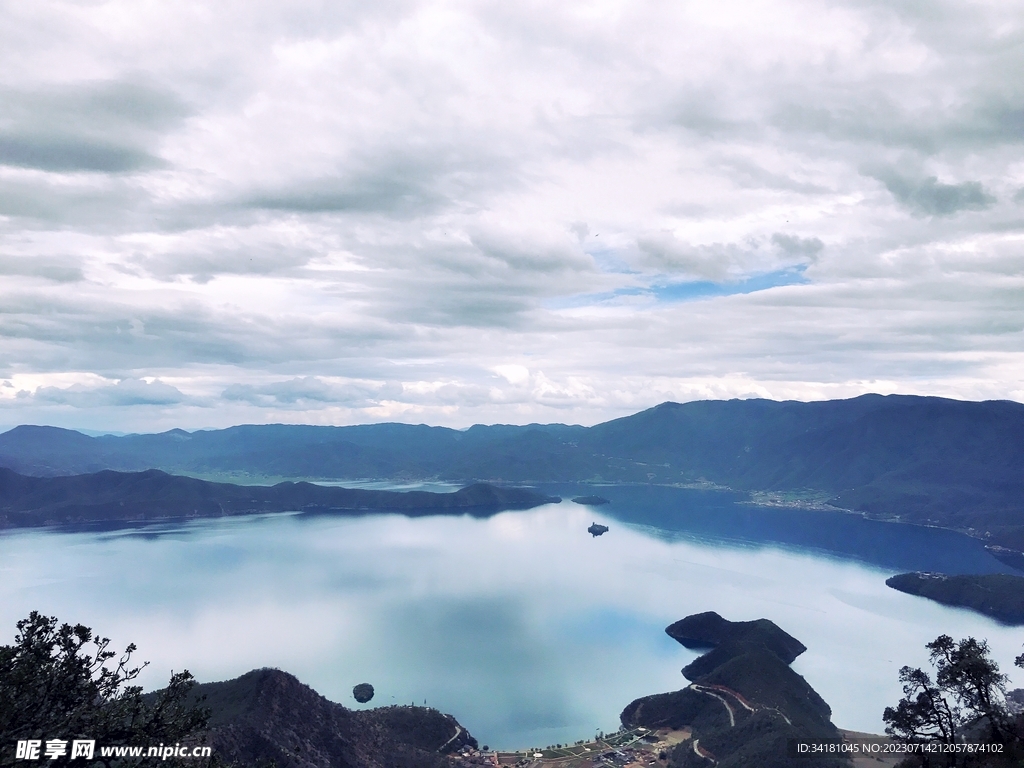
(918, 459)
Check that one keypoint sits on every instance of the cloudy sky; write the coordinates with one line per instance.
(451, 212)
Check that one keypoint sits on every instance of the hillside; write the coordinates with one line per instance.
(744, 702)
(110, 496)
(998, 596)
(917, 459)
(268, 717)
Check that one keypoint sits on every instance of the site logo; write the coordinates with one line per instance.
(34, 749)
(29, 750)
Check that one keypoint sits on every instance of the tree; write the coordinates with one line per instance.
(61, 682)
(966, 702)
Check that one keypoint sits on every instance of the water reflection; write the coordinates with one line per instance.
(726, 517)
(525, 627)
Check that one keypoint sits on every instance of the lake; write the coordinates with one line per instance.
(527, 629)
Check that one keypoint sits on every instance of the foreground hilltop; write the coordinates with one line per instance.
(268, 717)
(918, 459)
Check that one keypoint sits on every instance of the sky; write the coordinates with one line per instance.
(475, 212)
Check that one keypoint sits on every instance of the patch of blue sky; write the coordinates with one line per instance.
(609, 260)
(699, 289)
(667, 292)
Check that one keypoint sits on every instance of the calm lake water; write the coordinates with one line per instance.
(523, 626)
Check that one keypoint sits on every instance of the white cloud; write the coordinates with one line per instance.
(126, 392)
(462, 212)
(513, 374)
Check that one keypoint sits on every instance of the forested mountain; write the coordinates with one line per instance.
(953, 463)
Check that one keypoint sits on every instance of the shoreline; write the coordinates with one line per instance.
(999, 552)
(631, 748)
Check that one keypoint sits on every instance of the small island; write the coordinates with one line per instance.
(591, 501)
(996, 595)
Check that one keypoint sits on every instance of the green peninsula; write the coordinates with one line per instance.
(132, 497)
(996, 595)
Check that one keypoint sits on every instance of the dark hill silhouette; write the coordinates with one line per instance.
(268, 717)
(110, 496)
(918, 459)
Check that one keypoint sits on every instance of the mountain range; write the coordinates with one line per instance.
(923, 460)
